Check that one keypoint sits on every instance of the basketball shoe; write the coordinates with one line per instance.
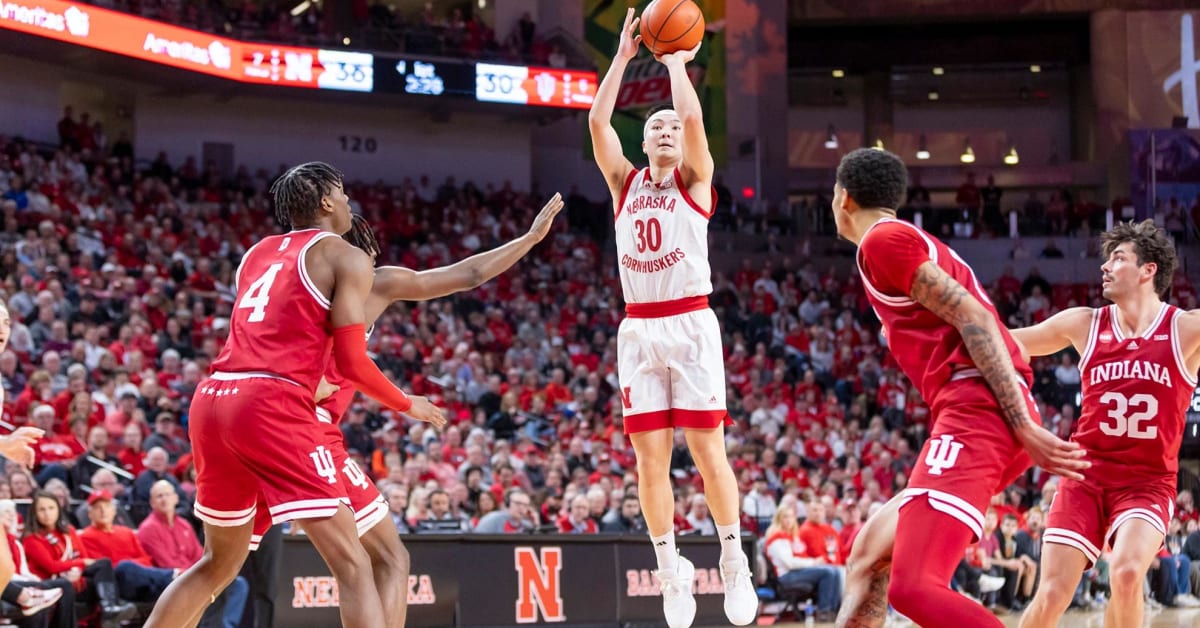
(679, 605)
(741, 600)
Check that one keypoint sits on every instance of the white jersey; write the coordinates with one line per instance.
(662, 240)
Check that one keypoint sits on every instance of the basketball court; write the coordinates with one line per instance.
(1169, 618)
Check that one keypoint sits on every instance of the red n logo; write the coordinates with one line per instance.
(538, 583)
(625, 398)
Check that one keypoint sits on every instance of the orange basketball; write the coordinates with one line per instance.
(671, 25)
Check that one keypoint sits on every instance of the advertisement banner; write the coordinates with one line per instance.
(641, 601)
(165, 44)
(646, 83)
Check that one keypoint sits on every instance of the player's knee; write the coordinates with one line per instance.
(1126, 576)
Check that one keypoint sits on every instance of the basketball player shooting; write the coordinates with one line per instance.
(669, 358)
(947, 338)
(389, 558)
(1139, 358)
(253, 421)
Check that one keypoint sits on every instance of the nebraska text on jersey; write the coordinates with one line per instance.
(643, 202)
(653, 265)
(1131, 369)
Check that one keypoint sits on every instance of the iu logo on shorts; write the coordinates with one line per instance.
(355, 474)
(539, 587)
(323, 461)
(943, 453)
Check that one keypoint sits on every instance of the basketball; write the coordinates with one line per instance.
(671, 25)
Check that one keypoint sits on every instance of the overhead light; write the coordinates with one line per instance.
(483, 4)
(878, 144)
(345, 41)
(1035, 68)
(831, 141)
(300, 8)
(968, 155)
(934, 95)
(1011, 159)
(839, 73)
(922, 150)
(939, 70)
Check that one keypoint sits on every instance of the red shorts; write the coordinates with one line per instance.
(1086, 516)
(971, 454)
(366, 502)
(256, 435)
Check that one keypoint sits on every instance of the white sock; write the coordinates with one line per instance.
(731, 542)
(664, 550)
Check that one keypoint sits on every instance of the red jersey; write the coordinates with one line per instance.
(280, 324)
(928, 349)
(1135, 397)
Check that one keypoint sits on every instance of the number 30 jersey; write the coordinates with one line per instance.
(280, 321)
(1135, 397)
(662, 240)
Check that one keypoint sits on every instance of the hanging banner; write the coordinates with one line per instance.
(646, 83)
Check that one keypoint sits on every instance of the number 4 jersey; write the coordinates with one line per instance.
(1135, 397)
(280, 322)
(662, 240)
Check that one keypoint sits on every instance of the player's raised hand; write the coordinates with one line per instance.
(18, 446)
(545, 218)
(628, 48)
(423, 410)
(1052, 453)
(681, 56)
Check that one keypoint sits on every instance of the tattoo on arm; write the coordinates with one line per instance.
(869, 610)
(941, 294)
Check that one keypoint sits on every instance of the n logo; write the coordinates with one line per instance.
(625, 398)
(538, 585)
(354, 474)
(323, 461)
(943, 453)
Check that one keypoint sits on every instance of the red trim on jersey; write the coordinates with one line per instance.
(688, 198)
(646, 421)
(625, 191)
(662, 309)
(700, 419)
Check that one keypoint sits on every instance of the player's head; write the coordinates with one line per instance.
(1137, 256)
(362, 236)
(662, 137)
(868, 178)
(307, 193)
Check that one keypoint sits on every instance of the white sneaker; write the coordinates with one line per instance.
(679, 605)
(987, 583)
(1186, 600)
(741, 600)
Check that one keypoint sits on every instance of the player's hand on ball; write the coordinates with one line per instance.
(1052, 453)
(682, 56)
(423, 410)
(628, 48)
(545, 218)
(18, 446)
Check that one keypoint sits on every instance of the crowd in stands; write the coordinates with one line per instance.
(119, 281)
(373, 25)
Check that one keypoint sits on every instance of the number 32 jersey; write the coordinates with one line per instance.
(280, 321)
(662, 240)
(1135, 397)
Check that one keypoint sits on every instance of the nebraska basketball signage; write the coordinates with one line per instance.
(322, 591)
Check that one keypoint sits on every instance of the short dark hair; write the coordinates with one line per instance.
(875, 179)
(1150, 245)
(362, 235)
(298, 192)
(1009, 516)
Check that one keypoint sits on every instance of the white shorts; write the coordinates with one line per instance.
(671, 367)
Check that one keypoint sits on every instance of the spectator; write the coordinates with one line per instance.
(698, 516)
(53, 550)
(788, 555)
(993, 217)
(1051, 250)
(759, 504)
(96, 458)
(54, 589)
(164, 437)
(105, 480)
(397, 499)
(440, 518)
(517, 516)
(156, 469)
(171, 544)
(1014, 570)
(576, 520)
(132, 455)
(486, 504)
(628, 520)
(136, 579)
(821, 539)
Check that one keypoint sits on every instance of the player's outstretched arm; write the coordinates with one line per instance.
(697, 160)
(394, 283)
(606, 145)
(1189, 339)
(352, 273)
(941, 294)
(1065, 329)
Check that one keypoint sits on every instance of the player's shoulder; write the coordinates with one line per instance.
(891, 236)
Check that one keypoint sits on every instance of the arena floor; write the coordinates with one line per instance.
(1170, 618)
